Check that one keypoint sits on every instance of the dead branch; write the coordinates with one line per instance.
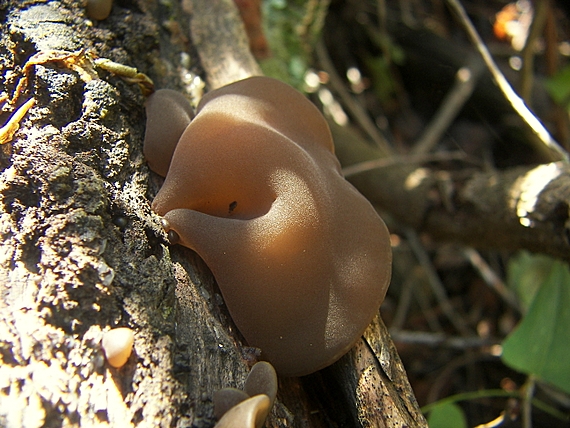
(521, 208)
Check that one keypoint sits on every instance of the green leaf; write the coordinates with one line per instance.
(526, 273)
(540, 345)
(558, 86)
(382, 76)
(447, 415)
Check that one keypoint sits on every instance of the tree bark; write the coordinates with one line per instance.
(82, 252)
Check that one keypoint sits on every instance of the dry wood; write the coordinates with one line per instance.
(219, 35)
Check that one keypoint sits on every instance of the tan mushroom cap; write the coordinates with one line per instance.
(262, 379)
(99, 9)
(118, 346)
(302, 259)
(225, 399)
(250, 413)
(168, 115)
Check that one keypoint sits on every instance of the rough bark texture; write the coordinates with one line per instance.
(82, 252)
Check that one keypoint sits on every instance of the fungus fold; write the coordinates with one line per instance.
(302, 259)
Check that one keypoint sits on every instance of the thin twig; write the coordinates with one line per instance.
(220, 38)
(558, 153)
(365, 166)
(490, 393)
(465, 360)
(491, 278)
(312, 23)
(440, 339)
(465, 80)
(355, 109)
(384, 38)
(528, 393)
(435, 282)
(536, 27)
(423, 297)
(404, 302)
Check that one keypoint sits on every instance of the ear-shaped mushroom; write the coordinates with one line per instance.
(250, 413)
(261, 381)
(225, 399)
(99, 9)
(302, 259)
(168, 113)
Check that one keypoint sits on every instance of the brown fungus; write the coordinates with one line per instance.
(164, 106)
(226, 398)
(261, 381)
(302, 259)
(99, 9)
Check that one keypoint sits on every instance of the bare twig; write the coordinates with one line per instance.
(417, 159)
(440, 339)
(312, 23)
(423, 297)
(465, 81)
(404, 301)
(527, 71)
(356, 110)
(437, 286)
(528, 393)
(557, 152)
(465, 359)
(490, 277)
(220, 38)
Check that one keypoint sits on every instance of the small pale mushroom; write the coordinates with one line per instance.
(261, 382)
(118, 346)
(250, 413)
(302, 259)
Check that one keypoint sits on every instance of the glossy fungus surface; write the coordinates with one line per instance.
(302, 259)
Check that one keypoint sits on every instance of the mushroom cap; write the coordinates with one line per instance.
(99, 9)
(302, 259)
(262, 379)
(226, 398)
(164, 106)
(118, 346)
(250, 413)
